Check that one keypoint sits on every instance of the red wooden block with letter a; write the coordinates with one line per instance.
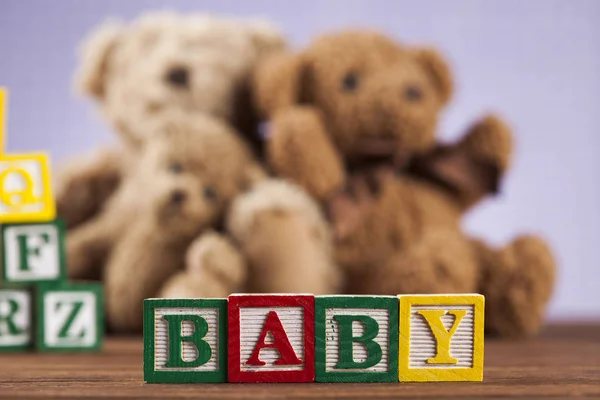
(271, 338)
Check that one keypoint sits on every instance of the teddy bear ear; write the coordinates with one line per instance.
(266, 38)
(94, 55)
(438, 71)
(278, 82)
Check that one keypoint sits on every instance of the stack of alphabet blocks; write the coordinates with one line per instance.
(38, 308)
(303, 338)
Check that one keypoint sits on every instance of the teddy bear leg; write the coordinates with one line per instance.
(214, 268)
(441, 261)
(136, 269)
(517, 282)
(285, 240)
(83, 185)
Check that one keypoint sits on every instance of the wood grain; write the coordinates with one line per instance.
(563, 361)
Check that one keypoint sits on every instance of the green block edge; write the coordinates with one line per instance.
(152, 376)
(368, 302)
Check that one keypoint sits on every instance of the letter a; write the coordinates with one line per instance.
(280, 342)
(442, 336)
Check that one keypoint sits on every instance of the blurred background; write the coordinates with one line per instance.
(536, 63)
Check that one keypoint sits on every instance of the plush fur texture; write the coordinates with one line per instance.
(160, 62)
(214, 268)
(118, 202)
(285, 239)
(353, 120)
(187, 174)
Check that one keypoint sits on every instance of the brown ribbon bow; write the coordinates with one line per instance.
(450, 167)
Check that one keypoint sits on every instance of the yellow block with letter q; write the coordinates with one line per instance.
(25, 189)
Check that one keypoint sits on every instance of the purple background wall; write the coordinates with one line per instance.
(536, 62)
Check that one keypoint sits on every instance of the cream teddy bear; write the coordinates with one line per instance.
(183, 181)
(160, 62)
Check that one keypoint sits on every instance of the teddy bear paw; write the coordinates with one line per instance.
(490, 139)
(181, 286)
(213, 258)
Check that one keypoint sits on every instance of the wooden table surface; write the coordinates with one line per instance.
(563, 361)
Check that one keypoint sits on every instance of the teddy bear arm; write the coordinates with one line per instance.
(490, 139)
(84, 184)
(488, 147)
(301, 150)
(88, 246)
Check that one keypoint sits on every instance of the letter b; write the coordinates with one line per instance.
(347, 339)
(176, 339)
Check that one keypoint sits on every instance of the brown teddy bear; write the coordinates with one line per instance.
(160, 62)
(353, 120)
(185, 177)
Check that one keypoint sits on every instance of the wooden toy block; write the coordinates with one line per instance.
(271, 338)
(441, 338)
(33, 252)
(25, 190)
(185, 340)
(70, 317)
(356, 338)
(15, 318)
(3, 102)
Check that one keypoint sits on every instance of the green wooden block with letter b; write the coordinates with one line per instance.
(356, 338)
(185, 340)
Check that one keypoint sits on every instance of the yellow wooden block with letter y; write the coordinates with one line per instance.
(441, 338)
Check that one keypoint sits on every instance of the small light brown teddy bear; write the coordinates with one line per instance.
(185, 177)
(160, 62)
(155, 236)
(353, 120)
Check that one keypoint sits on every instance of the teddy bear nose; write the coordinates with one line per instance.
(178, 197)
(179, 77)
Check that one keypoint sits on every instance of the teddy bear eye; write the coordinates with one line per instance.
(350, 82)
(210, 193)
(175, 167)
(178, 77)
(413, 93)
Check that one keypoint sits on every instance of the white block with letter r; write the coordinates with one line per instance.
(15, 319)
